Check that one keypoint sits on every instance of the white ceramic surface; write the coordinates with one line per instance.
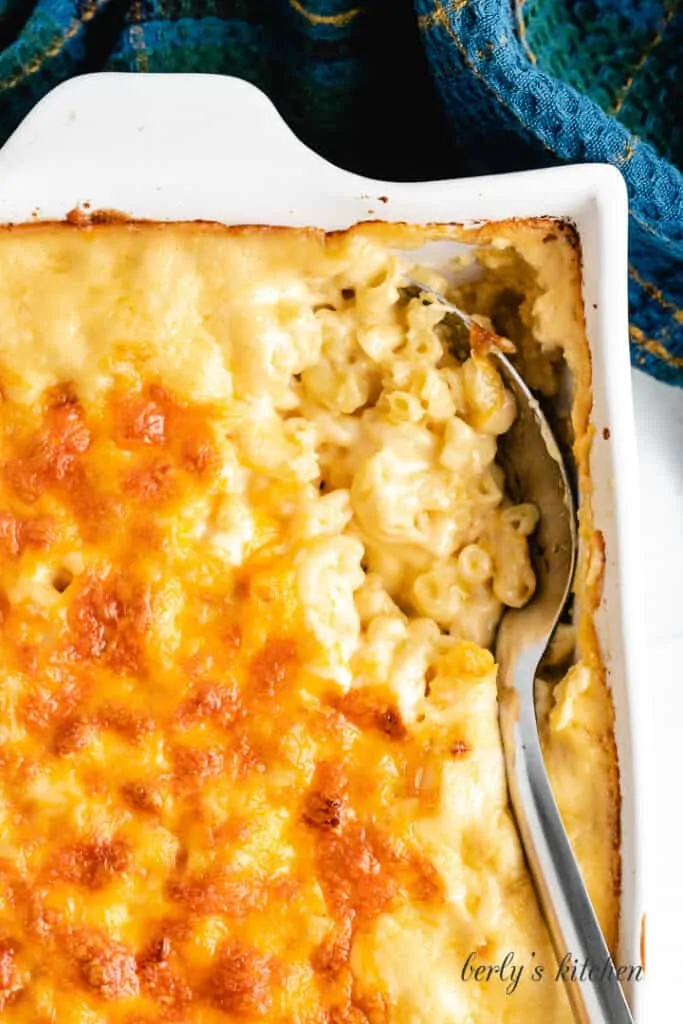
(207, 147)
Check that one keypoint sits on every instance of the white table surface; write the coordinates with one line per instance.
(659, 425)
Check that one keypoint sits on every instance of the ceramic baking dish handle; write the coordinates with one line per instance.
(172, 119)
(147, 145)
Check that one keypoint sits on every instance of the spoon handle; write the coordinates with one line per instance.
(584, 961)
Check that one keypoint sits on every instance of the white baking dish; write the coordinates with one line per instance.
(205, 147)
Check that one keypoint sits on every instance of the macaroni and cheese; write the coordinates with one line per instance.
(254, 547)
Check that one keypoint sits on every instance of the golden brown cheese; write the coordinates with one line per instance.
(250, 558)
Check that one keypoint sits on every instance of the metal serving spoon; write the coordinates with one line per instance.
(536, 473)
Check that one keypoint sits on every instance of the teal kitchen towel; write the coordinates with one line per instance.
(492, 85)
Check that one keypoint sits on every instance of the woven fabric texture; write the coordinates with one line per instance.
(494, 84)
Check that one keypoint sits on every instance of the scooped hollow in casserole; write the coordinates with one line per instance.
(254, 547)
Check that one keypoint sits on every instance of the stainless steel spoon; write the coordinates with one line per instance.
(536, 473)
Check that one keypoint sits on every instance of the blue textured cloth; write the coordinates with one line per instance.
(499, 85)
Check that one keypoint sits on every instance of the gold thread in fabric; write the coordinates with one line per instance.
(338, 20)
(521, 31)
(644, 225)
(654, 348)
(642, 61)
(439, 16)
(137, 42)
(629, 150)
(52, 50)
(136, 36)
(653, 291)
(453, 8)
(431, 18)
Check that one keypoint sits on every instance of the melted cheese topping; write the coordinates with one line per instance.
(253, 546)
